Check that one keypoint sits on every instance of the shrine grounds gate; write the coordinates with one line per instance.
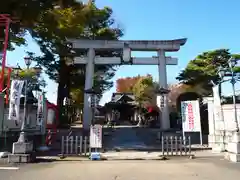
(169, 146)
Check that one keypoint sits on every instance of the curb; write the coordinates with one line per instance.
(159, 158)
(119, 158)
(137, 159)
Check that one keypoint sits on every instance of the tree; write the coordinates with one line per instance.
(32, 74)
(177, 89)
(27, 13)
(144, 93)
(204, 69)
(125, 85)
(50, 23)
(76, 21)
(143, 90)
(35, 81)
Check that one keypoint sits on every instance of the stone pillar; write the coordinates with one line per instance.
(219, 129)
(233, 148)
(211, 121)
(162, 70)
(89, 75)
(216, 137)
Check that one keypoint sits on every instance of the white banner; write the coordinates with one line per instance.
(190, 116)
(14, 100)
(96, 136)
(40, 110)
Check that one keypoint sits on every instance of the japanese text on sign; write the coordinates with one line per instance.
(190, 116)
(96, 136)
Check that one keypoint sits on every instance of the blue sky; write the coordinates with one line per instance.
(208, 25)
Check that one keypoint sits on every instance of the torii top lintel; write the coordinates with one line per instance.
(135, 45)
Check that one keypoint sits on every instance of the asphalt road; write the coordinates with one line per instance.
(125, 138)
(205, 168)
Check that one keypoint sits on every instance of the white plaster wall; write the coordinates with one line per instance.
(228, 114)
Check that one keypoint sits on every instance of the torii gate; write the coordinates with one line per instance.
(161, 46)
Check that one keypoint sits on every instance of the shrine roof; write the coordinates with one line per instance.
(116, 97)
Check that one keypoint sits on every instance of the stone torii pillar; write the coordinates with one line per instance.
(89, 77)
(162, 71)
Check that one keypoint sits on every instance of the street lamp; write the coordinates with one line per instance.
(162, 92)
(229, 71)
(161, 100)
(17, 71)
(28, 61)
(92, 92)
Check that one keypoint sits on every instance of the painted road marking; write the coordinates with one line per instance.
(9, 168)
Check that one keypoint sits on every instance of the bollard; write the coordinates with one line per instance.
(176, 145)
(62, 146)
(67, 146)
(181, 144)
(171, 143)
(163, 149)
(85, 145)
(167, 148)
(81, 143)
(76, 145)
(185, 145)
(190, 148)
(71, 144)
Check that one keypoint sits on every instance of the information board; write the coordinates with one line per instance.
(190, 116)
(96, 136)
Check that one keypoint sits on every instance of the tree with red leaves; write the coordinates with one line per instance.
(125, 85)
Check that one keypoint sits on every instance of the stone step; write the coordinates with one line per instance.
(21, 158)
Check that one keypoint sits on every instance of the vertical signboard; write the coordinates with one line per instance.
(191, 117)
(96, 136)
(40, 110)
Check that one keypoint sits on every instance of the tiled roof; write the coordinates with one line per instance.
(118, 96)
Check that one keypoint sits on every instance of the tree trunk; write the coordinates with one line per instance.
(61, 88)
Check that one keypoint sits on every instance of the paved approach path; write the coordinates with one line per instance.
(181, 169)
(125, 137)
